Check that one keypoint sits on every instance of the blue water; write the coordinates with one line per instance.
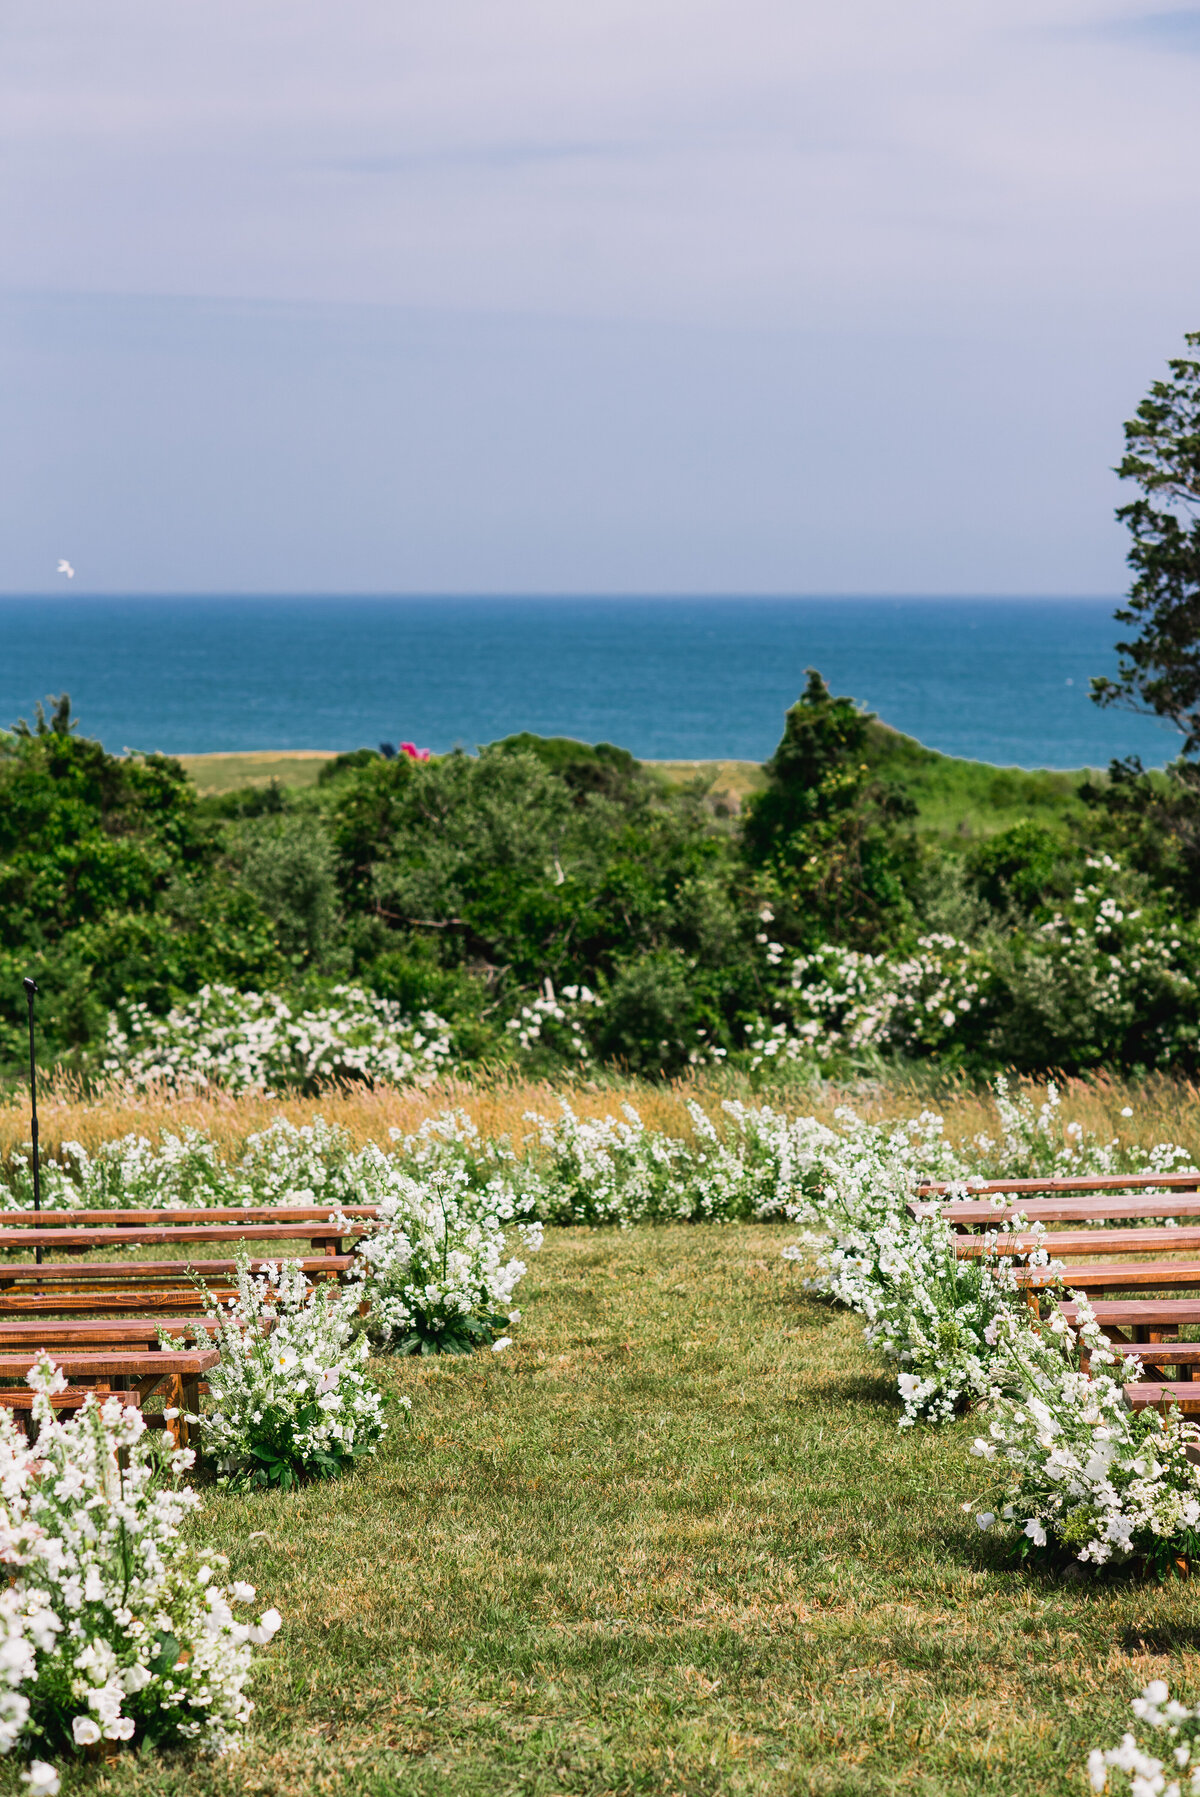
(1000, 680)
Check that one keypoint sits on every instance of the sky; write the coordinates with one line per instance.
(764, 296)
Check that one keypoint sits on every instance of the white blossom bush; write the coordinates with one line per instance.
(113, 1626)
(1082, 1474)
(556, 1023)
(1141, 1773)
(611, 1170)
(434, 1272)
(290, 1397)
(840, 1001)
(250, 1041)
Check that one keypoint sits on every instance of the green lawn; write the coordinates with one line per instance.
(670, 1542)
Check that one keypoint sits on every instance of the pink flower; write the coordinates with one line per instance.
(413, 753)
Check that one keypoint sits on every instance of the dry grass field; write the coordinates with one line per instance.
(1163, 1109)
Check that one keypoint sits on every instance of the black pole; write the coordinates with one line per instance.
(30, 994)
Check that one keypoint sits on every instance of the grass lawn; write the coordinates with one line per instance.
(671, 1541)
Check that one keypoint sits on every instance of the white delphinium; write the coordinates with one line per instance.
(1085, 1474)
(758, 1165)
(249, 1041)
(1177, 1774)
(435, 1274)
(115, 1628)
(290, 1397)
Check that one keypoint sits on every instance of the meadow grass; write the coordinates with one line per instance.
(1163, 1107)
(671, 1541)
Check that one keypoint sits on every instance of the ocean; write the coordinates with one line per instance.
(999, 680)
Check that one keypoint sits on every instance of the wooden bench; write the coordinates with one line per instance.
(1140, 1321)
(131, 1375)
(971, 1213)
(1162, 1394)
(216, 1213)
(1092, 1182)
(139, 1288)
(70, 1238)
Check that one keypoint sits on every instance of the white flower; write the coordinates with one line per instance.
(1035, 1531)
(985, 1518)
(499, 1346)
(86, 1731)
(43, 1780)
(242, 1592)
(269, 1624)
(1097, 1770)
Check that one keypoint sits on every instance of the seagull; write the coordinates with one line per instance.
(67, 569)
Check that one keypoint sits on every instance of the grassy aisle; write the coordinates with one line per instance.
(670, 1542)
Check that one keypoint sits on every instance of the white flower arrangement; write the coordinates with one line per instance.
(434, 1273)
(250, 1041)
(1085, 1474)
(113, 1627)
(290, 1397)
(1141, 1773)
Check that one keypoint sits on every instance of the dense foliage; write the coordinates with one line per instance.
(553, 904)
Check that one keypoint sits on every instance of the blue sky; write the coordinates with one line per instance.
(737, 295)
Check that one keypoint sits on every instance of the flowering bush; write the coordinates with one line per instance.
(434, 1273)
(114, 1627)
(250, 1041)
(1111, 976)
(1147, 1776)
(290, 1397)
(1086, 1476)
(556, 1023)
(843, 1001)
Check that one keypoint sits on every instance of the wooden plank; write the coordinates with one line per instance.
(72, 1399)
(120, 1365)
(1170, 1275)
(1130, 1312)
(1108, 1182)
(33, 1273)
(1160, 1353)
(216, 1213)
(92, 1332)
(1166, 1239)
(1159, 1394)
(68, 1238)
(1062, 1210)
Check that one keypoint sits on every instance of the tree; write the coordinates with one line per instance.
(825, 826)
(1159, 671)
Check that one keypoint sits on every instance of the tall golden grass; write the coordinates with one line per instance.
(1162, 1108)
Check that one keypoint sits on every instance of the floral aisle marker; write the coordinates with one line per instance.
(291, 1398)
(114, 1627)
(435, 1279)
(1087, 1477)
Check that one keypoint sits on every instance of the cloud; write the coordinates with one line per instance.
(1002, 195)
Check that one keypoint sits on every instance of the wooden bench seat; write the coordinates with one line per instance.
(67, 1239)
(1155, 1275)
(138, 1288)
(98, 1333)
(1140, 1320)
(1166, 1238)
(969, 1214)
(224, 1213)
(1161, 1394)
(132, 1375)
(1093, 1182)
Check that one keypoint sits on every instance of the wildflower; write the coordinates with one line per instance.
(505, 1341)
(43, 1780)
